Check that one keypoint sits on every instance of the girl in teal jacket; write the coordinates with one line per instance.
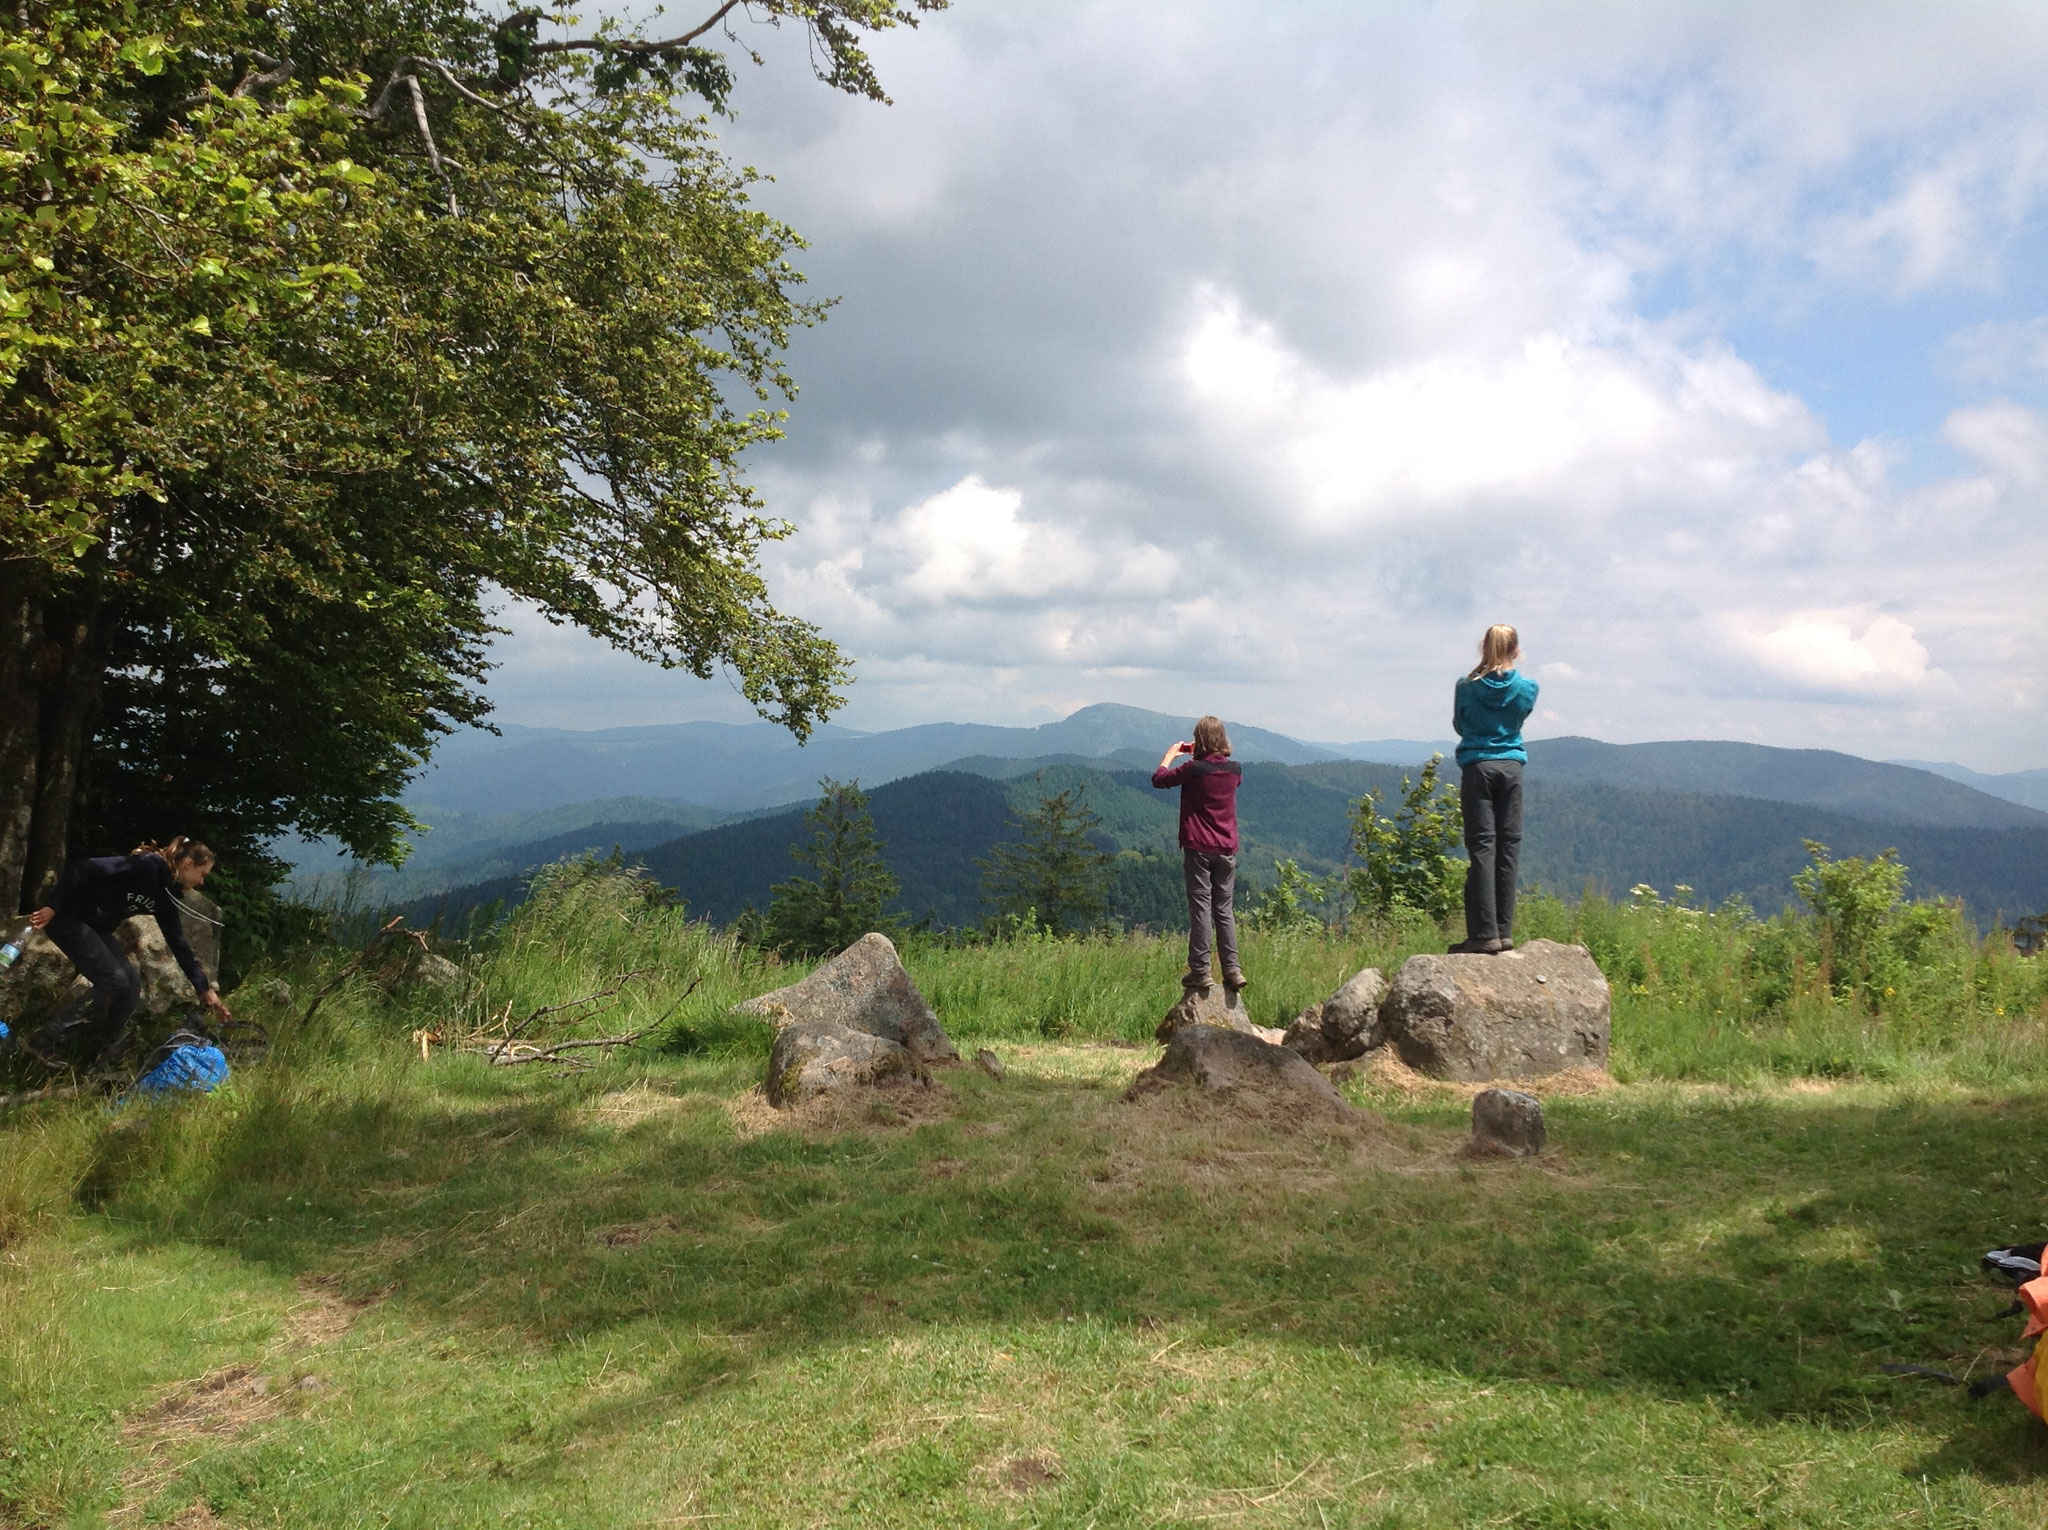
(1488, 711)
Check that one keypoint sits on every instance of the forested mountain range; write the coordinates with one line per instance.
(2029, 788)
(1583, 830)
(739, 766)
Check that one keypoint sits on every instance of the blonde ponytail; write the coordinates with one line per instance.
(1498, 651)
(178, 851)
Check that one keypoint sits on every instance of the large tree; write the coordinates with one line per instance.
(318, 325)
(1053, 872)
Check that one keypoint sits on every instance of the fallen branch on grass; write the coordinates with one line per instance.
(507, 1046)
(511, 1055)
(47, 1092)
(618, 984)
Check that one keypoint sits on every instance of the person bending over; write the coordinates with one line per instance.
(1488, 711)
(1208, 782)
(92, 897)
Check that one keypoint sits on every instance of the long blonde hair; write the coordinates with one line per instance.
(1210, 737)
(1498, 650)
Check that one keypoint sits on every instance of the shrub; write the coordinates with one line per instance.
(1407, 861)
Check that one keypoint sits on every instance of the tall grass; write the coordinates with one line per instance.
(1718, 994)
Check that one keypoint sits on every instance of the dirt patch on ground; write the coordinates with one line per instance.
(1027, 1473)
(882, 1107)
(633, 1234)
(1383, 1071)
(1182, 1135)
(321, 1316)
(172, 1432)
(624, 1108)
(229, 1403)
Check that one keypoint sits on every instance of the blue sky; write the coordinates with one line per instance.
(1206, 357)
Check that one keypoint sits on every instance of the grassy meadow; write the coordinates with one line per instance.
(379, 1282)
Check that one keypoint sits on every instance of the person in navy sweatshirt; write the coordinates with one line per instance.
(1488, 711)
(91, 898)
(1208, 782)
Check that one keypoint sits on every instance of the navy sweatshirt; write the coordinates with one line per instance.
(104, 890)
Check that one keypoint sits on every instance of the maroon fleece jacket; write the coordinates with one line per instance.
(1208, 801)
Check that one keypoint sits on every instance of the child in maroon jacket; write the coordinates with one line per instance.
(1208, 783)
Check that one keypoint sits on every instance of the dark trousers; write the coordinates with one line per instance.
(102, 1016)
(1212, 890)
(1490, 792)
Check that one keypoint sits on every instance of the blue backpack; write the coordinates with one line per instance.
(190, 1061)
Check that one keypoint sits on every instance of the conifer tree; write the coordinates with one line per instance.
(850, 887)
(1052, 872)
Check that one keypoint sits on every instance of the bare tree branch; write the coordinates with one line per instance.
(642, 47)
(275, 72)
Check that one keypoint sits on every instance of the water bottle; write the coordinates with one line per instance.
(11, 952)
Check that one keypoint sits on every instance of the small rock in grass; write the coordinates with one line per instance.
(989, 1063)
(1507, 1123)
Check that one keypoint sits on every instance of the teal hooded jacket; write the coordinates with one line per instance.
(1488, 714)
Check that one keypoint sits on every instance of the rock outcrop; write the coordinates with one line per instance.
(1538, 1009)
(1507, 1123)
(1343, 1026)
(857, 1020)
(1249, 1074)
(45, 978)
(863, 988)
(1213, 1006)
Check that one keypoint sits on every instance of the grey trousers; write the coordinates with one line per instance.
(1490, 793)
(1212, 887)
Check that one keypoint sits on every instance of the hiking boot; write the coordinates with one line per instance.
(1502, 945)
(1236, 982)
(1470, 947)
(47, 1049)
(1195, 982)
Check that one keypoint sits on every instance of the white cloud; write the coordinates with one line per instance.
(1260, 366)
(1826, 654)
(1574, 425)
(2010, 441)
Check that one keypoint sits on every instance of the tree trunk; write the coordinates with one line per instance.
(20, 728)
(72, 674)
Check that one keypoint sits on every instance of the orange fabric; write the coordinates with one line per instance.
(2022, 1383)
(2022, 1379)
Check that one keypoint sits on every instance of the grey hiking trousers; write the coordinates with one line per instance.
(1212, 887)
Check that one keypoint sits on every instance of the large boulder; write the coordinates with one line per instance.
(1537, 1009)
(1213, 1006)
(1343, 1026)
(45, 978)
(863, 988)
(814, 1058)
(1249, 1074)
